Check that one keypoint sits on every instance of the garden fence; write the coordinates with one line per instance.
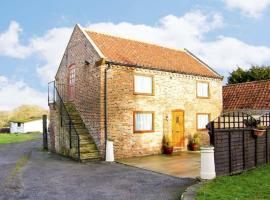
(237, 148)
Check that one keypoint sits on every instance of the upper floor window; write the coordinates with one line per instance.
(203, 89)
(143, 84)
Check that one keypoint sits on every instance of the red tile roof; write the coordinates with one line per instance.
(131, 52)
(251, 95)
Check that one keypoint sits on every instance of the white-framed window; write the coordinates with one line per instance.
(143, 121)
(143, 84)
(203, 89)
(202, 120)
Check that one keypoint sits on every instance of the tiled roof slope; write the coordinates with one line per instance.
(133, 52)
(251, 95)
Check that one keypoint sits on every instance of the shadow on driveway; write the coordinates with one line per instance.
(48, 176)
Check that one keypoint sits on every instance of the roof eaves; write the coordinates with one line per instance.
(246, 83)
(203, 63)
(158, 69)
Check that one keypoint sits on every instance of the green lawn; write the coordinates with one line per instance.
(12, 137)
(253, 184)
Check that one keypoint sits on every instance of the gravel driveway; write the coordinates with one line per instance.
(26, 172)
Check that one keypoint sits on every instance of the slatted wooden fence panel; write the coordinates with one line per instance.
(236, 147)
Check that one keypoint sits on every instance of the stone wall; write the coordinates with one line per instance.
(172, 91)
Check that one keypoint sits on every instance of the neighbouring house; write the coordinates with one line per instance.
(131, 92)
(16, 127)
(35, 125)
(251, 97)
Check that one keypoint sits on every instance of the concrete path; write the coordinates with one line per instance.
(26, 172)
(181, 164)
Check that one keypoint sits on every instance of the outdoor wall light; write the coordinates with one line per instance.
(167, 117)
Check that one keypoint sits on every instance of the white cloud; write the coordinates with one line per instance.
(173, 31)
(189, 31)
(50, 49)
(14, 94)
(251, 8)
(9, 42)
(226, 53)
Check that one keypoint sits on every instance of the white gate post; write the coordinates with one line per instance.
(207, 163)
(109, 151)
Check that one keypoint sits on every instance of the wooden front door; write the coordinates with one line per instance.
(178, 128)
(71, 82)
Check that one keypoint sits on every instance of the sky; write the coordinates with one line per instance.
(33, 35)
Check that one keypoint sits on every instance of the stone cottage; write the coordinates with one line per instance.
(131, 92)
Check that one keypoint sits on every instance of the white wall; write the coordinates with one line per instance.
(14, 128)
(33, 126)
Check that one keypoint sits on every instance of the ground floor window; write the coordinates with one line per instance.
(143, 121)
(202, 120)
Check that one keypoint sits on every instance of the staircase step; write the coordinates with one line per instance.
(92, 155)
(91, 160)
(86, 141)
(84, 136)
(83, 132)
(76, 119)
(88, 148)
(73, 113)
(79, 127)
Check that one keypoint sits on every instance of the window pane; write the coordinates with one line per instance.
(202, 90)
(143, 121)
(202, 121)
(72, 76)
(143, 84)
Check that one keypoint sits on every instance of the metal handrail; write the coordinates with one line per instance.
(62, 107)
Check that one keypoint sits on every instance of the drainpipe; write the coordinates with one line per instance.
(108, 66)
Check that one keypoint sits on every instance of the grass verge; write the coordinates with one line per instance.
(253, 184)
(6, 138)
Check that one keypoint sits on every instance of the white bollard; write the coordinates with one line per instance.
(109, 151)
(207, 163)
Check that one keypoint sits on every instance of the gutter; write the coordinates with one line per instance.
(108, 66)
(158, 69)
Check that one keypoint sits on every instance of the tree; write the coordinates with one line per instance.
(255, 73)
(3, 119)
(22, 113)
(26, 112)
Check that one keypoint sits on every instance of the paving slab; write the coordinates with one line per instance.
(181, 164)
